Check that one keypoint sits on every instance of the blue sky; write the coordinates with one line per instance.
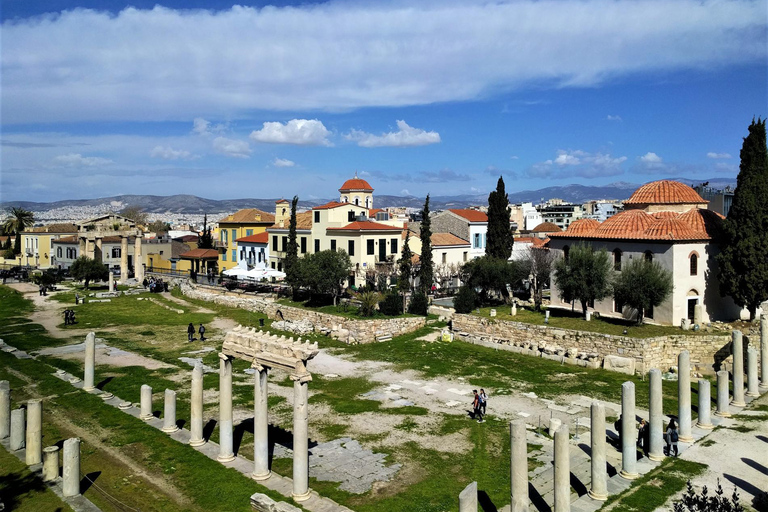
(219, 101)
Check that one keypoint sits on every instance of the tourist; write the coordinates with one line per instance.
(476, 407)
(190, 332)
(672, 438)
(77, 298)
(644, 437)
(483, 399)
(202, 332)
(66, 317)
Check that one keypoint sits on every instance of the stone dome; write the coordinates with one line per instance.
(663, 192)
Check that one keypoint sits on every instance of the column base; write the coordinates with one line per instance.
(147, 417)
(106, 396)
(722, 414)
(763, 387)
(197, 442)
(226, 458)
(753, 394)
(707, 426)
(301, 497)
(170, 430)
(738, 404)
(596, 496)
(686, 439)
(628, 476)
(261, 476)
(89, 388)
(656, 458)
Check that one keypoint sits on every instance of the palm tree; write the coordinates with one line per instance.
(19, 220)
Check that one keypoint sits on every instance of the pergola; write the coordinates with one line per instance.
(204, 256)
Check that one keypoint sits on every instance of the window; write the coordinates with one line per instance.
(393, 243)
(242, 253)
(280, 266)
(694, 264)
(617, 307)
(648, 255)
(649, 312)
(303, 245)
(173, 265)
(617, 259)
(58, 252)
(476, 241)
(370, 247)
(115, 252)
(234, 235)
(317, 245)
(223, 236)
(284, 242)
(224, 256)
(464, 256)
(317, 217)
(351, 247)
(274, 243)
(273, 264)
(234, 254)
(445, 258)
(333, 245)
(351, 216)
(357, 201)
(248, 232)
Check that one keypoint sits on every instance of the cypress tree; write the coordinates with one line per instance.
(292, 250)
(205, 239)
(426, 271)
(405, 266)
(744, 258)
(499, 238)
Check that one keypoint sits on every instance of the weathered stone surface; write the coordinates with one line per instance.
(619, 364)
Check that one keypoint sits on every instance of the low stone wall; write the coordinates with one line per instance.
(592, 349)
(344, 329)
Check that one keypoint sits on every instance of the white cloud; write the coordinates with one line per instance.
(514, 157)
(578, 163)
(282, 162)
(718, 156)
(301, 132)
(232, 147)
(200, 125)
(405, 192)
(78, 160)
(651, 158)
(405, 136)
(344, 55)
(609, 117)
(168, 153)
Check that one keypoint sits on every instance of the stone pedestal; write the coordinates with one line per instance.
(260, 425)
(123, 259)
(737, 349)
(698, 314)
(146, 403)
(300, 441)
(50, 463)
(723, 399)
(196, 407)
(656, 417)
(518, 466)
(17, 429)
(90, 361)
(34, 445)
(138, 261)
(562, 470)
(764, 351)
(752, 383)
(684, 396)
(468, 498)
(226, 453)
(169, 414)
(705, 405)
(628, 432)
(5, 409)
(111, 281)
(71, 473)
(599, 487)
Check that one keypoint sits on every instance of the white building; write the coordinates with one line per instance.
(253, 251)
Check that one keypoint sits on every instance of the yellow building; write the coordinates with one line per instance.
(246, 222)
(163, 254)
(36, 250)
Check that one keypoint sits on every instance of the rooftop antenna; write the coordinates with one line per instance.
(355, 174)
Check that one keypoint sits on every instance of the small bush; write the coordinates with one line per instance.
(392, 305)
(693, 502)
(465, 300)
(368, 303)
(419, 304)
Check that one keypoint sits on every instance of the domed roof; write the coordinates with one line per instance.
(703, 221)
(582, 226)
(664, 192)
(356, 184)
(547, 227)
(670, 229)
(665, 215)
(624, 224)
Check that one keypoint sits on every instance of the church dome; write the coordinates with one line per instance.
(582, 226)
(623, 224)
(664, 192)
(703, 221)
(356, 184)
(671, 229)
(547, 227)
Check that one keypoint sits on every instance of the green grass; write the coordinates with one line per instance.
(563, 319)
(350, 311)
(22, 491)
(29, 337)
(13, 305)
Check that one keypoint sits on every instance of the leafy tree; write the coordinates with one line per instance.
(419, 304)
(491, 275)
(324, 272)
(88, 269)
(205, 239)
(584, 276)
(368, 302)
(292, 272)
(426, 272)
(743, 263)
(136, 214)
(19, 220)
(693, 502)
(159, 226)
(465, 299)
(49, 277)
(642, 285)
(499, 237)
(392, 305)
(537, 265)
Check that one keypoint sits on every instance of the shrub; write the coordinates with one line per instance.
(693, 502)
(368, 303)
(419, 304)
(392, 305)
(465, 300)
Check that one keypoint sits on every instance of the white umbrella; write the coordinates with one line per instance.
(236, 272)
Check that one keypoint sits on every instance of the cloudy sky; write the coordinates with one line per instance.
(221, 101)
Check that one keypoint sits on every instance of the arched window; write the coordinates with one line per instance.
(58, 252)
(345, 199)
(357, 201)
(367, 202)
(694, 260)
(617, 259)
(566, 252)
(648, 256)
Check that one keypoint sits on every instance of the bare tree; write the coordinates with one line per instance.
(537, 264)
(444, 272)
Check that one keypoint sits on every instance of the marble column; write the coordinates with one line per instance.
(17, 429)
(50, 463)
(764, 351)
(705, 405)
(722, 395)
(82, 246)
(468, 498)
(5, 409)
(737, 349)
(752, 383)
(196, 407)
(260, 425)
(628, 432)
(562, 470)
(226, 453)
(138, 261)
(34, 452)
(146, 403)
(656, 416)
(97, 253)
(599, 487)
(300, 440)
(71, 473)
(123, 259)
(169, 413)
(90, 248)
(518, 466)
(684, 397)
(90, 361)
(111, 281)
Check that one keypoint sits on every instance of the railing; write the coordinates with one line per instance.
(168, 272)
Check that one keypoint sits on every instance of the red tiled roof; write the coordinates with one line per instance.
(366, 226)
(248, 216)
(187, 238)
(445, 239)
(373, 211)
(66, 240)
(664, 192)
(670, 229)
(260, 238)
(665, 215)
(547, 227)
(534, 241)
(703, 221)
(281, 201)
(356, 184)
(303, 221)
(624, 223)
(582, 226)
(471, 215)
(328, 206)
(200, 254)
(53, 228)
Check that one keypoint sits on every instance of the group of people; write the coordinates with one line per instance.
(671, 437)
(191, 332)
(155, 285)
(69, 317)
(479, 403)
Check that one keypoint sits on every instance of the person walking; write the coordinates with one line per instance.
(66, 317)
(483, 399)
(644, 437)
(476, 407)
(201, 330)
(190, 332)
(672, 438)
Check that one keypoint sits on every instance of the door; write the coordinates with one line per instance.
(382, 249)
(692, 307)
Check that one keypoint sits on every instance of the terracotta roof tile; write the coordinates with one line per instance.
(582, 226)
(200, 254)
(366, 226)
(303, 221)
(471, 215)
(445, 239)
(356, 184)
(260, 238)
(547, 227)
(53, 228)
(670, 229)
(664, 192)
(705, 221)
(66, 240)
(248, 216)
(328, 206)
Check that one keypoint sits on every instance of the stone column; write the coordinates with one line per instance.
(90, 361)
(656, 414)
(138, 260)
(722, 395)
(562, 470)
(17, 429)
(97, 253)
(123, 259)
(225, 409)
(684, 397)
(71, 473)
(518, 466)
(628, 432)
(737, 349)
(752, 384)
(599, 487)
(81, 247)
(468, 498)
(169, 415)
(260, 425)
(5, 409)
(111, 281)
(90, 248)
(705, 405)
(146, 403)
(300, 440)
(34, 453)
(764, 350)
(196, 407)
(50, 463)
